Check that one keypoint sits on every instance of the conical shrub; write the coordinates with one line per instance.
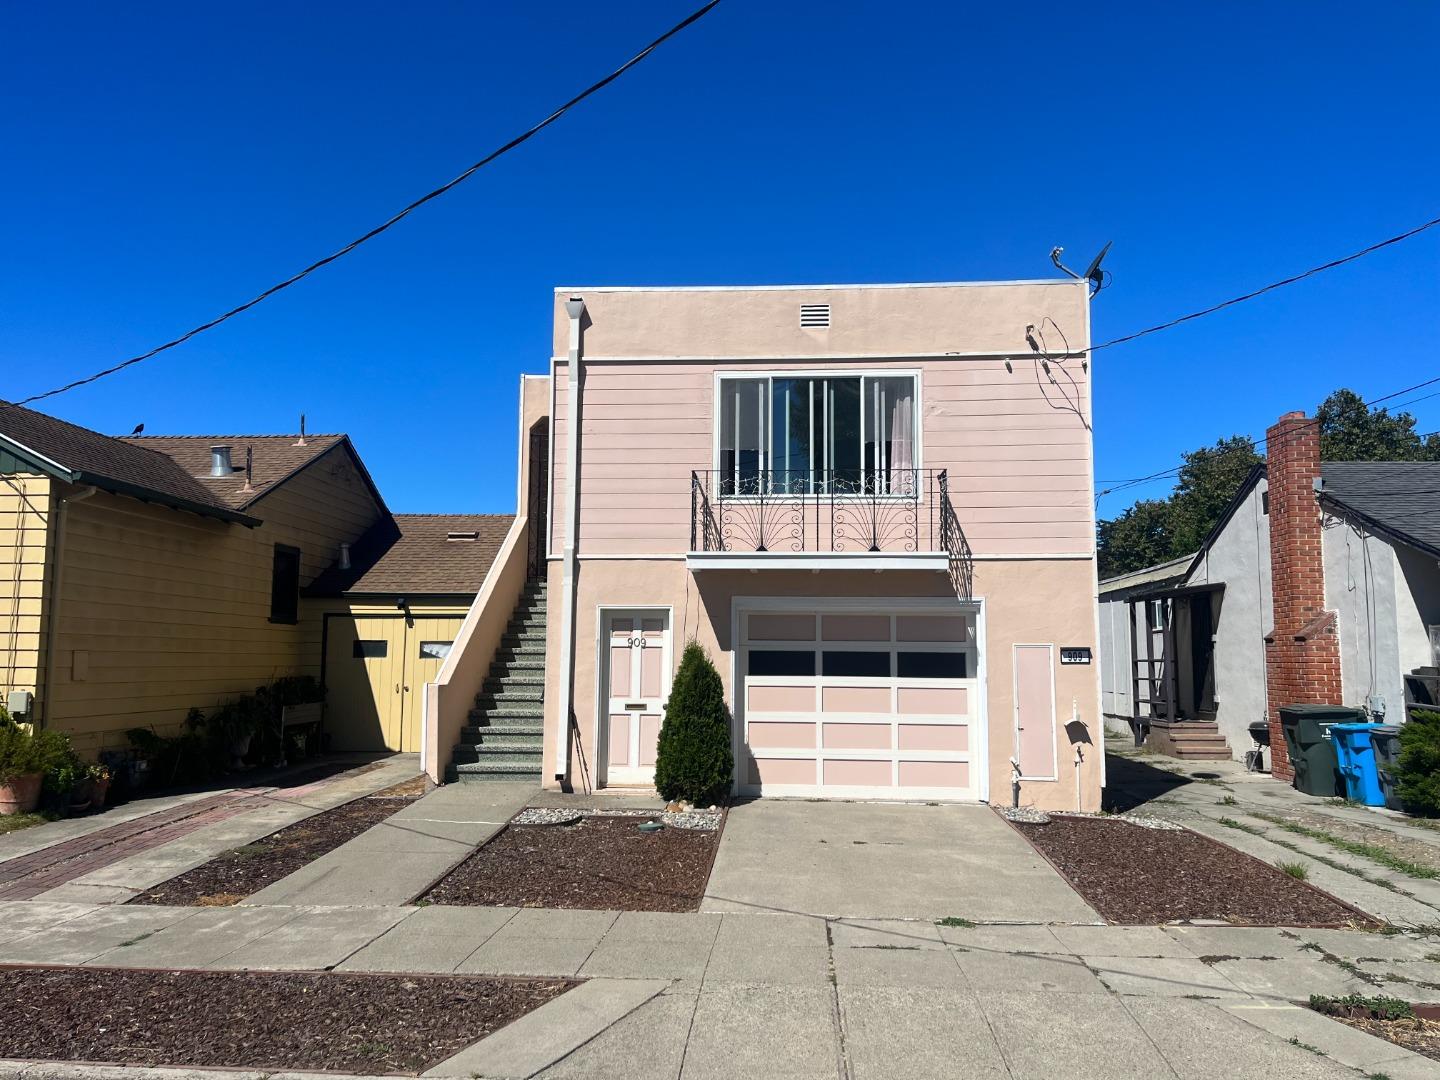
(1418, 770)
(694, 760)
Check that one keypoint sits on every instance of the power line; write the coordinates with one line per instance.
(1397, 393)
(395, 219)
(1268, 288)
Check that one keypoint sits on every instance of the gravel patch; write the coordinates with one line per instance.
(703, 820)
(1141, 876)
(1027, 814)
(353, 1023)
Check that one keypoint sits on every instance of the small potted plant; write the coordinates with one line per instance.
(100, 776)
(21, 771)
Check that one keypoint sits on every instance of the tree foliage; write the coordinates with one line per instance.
(694, 760)
(1156, 530)
(1418, 770)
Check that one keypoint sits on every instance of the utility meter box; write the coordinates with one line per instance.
(19, 702)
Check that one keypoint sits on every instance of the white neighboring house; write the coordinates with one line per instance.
(1184, 644)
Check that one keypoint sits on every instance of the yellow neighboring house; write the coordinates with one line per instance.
(141, 576)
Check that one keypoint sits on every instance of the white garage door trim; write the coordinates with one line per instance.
(976, 754)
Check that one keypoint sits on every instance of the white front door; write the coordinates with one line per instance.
(637, 676)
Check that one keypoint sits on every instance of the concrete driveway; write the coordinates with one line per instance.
(885, 860)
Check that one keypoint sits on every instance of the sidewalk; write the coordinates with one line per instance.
(711, 995)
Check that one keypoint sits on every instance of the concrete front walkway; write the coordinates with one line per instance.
(696, 996)
(887, 860)
(399, 858)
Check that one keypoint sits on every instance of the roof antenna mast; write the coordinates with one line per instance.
(301, 440)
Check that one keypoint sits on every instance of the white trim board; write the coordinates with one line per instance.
(578, 290)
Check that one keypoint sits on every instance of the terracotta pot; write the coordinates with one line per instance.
(20, 795)
(100, 789)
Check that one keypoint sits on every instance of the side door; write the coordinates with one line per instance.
(427, 643)
(364, 701)
(637, 676)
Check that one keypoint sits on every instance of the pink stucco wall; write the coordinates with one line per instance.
(1018, 457)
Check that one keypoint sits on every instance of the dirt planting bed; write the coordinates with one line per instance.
(1133, 875)
(352, 1023)
(603, 863)
(1413, 1027)
(231, 877)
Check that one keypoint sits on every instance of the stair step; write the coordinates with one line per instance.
(474, 733)
(1198, 740)
(1187, 753)
(503, 740)
(512, 693)
(530, 710)
(517, 643)
(480, 771)
(530, 661)
(529, 676)
(510, 755)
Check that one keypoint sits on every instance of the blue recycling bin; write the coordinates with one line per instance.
(1355, 756)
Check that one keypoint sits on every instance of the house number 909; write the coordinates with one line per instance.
(637, 642)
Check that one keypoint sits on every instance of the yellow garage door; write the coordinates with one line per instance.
(376, 668)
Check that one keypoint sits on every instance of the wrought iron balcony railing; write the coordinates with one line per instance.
(833, 511)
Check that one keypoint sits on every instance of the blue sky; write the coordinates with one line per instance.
(164, 161)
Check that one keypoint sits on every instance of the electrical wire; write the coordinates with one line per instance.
(688, 21)
(1269, 288)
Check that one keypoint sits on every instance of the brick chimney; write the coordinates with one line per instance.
(1302, 653)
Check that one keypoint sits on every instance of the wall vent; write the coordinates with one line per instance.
(814, 315)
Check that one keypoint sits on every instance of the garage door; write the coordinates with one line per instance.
(857, 704)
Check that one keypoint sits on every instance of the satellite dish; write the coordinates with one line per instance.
(1094, 274)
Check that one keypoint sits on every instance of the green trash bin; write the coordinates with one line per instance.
(1307, 741)
(1386, 741)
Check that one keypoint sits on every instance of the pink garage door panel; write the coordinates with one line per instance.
(954, 737)
(855, 699)
(1035, 710)
(931, 628)
(934, 774)
(781, 735)
(857, 773)
(856, 736)
(649, 738)
(783, 771)
(934, 701)
(620, 739)
(781, 699)
(782, 627)
(855, 628)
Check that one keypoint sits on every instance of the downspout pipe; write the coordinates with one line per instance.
(575, 309)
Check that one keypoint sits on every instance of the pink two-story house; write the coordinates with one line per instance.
(872, 505)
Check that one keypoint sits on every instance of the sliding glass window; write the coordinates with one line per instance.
(813, 435)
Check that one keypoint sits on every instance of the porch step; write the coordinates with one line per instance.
(529, 710)
(480, 771)
(500, 692)
(466, 754)
(474, 733)
(507, 675)
(1189, 740)
(522, 644)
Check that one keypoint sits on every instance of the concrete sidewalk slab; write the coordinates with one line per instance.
(771, 931)
(1200, 1042)
(1075, 1036)
(80, 939)
(1119, 941)
(538, 941)
(314, 940)
(763, 1031)
(997, 937)
(1163, 977)
(1243, 942)
(987, 972)
(432, 939)
(885, 860)
(681, 961)
(1291, 980)
(19, 918)
(649, 1044)
(897, 966)
(894, 933)
(1344, 1044)
(200, 940)
(776, 965)
(899, 1033)
(540, 1038)
(411, 849)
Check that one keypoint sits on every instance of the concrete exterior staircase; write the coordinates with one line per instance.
(504, 738)
(1189, 740)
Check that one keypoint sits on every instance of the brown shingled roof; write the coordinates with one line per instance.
(110, 463)
(413, 554)
(275, 458)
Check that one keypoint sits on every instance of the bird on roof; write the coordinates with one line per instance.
(138, 429)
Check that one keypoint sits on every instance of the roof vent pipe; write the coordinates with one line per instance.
(220, 461)
(344, 556)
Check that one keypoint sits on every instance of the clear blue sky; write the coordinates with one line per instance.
(164, 161)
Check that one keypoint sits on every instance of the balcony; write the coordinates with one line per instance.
(826, 519)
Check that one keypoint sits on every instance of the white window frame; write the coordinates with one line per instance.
(769, 375)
